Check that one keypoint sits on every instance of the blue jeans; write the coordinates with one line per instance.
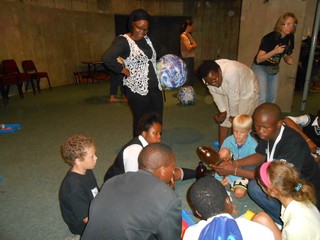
(270, 205)
(268, 84)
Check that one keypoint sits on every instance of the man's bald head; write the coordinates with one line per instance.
(154, 156)
(158, 159)
(267, 111)
(267, 121)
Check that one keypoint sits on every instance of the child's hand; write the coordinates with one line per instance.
(226, 159)
(234, 210)
(224, 182)
(225, 154)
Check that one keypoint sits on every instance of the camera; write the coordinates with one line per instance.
(287, 50)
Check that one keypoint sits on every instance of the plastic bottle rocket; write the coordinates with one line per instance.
(208, 155)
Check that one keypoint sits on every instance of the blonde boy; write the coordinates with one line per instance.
(240, 144)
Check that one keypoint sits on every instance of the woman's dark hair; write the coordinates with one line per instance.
(136, 15)
(187, 22)
(146, 121)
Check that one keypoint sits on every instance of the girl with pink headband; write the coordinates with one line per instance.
(264, 175)
(301, 218)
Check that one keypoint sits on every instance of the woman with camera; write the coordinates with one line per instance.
(274, 46)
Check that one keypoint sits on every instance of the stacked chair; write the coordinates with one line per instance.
(7, 80)
(10, 68)
(30, 68)
(10, 75)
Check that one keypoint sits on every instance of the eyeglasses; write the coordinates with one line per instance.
(213, 80)
(140, 28)
(289, 24)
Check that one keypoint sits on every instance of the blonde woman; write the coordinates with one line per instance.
(301, 218)
(274, 46)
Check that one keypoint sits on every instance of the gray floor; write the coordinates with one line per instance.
(31, 165)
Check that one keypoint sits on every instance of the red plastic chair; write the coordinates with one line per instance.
(5, 82)
(10, 68)
(29, 67)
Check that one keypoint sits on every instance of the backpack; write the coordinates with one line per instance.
(221, 228)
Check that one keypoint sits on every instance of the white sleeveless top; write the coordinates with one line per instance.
(137, 63)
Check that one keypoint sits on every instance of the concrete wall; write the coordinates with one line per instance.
(216, 29)
(56, 39)
(257, 19)
(59, 34)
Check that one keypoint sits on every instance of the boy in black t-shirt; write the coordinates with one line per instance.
(79, 186)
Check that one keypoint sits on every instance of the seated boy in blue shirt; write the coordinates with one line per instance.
(236, 146)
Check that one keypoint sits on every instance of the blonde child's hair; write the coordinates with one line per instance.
(242, 121)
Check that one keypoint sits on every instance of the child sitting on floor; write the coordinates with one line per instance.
(238, 145)
(301, 218)
(210, 201)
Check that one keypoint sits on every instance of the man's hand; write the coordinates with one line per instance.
(224, 169)
(231, 119)
(312, 146)
(219, 118)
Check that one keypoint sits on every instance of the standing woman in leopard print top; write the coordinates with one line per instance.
(134, 55)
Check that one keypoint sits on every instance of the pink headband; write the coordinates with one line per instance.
(263, 174)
